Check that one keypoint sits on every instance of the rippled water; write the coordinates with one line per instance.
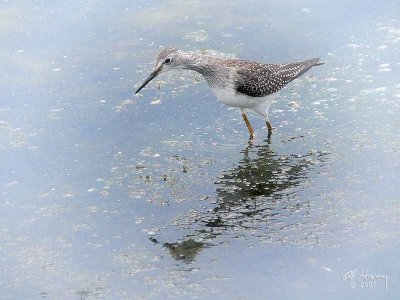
(114, 196)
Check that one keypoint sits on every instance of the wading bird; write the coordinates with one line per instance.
(238, 83)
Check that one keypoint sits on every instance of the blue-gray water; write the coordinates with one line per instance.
(107, 195)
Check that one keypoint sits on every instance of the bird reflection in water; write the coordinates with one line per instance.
(259, 194)
(262, 185)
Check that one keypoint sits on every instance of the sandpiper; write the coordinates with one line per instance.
(238, 83)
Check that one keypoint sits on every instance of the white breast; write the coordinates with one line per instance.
(229, 97)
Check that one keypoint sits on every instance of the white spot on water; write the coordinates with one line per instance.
(331, 79)
(374, 91)
(354, 46)
(155, 102)
(197, 36)
(327, 269)
(11, 183)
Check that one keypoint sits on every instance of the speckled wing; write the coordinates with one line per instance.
(260, 80)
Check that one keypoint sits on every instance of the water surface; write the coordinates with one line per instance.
(113, 196)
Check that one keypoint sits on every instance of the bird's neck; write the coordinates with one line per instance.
(216, 75)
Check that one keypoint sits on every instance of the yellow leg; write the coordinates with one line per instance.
(251, 131)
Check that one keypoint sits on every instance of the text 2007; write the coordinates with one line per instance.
(367, 284)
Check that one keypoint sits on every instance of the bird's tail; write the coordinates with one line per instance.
(304, 66)
(313, 62)
(316, 62)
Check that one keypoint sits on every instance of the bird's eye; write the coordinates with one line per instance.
(167, 60)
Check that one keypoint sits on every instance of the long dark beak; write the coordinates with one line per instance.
(150, 78)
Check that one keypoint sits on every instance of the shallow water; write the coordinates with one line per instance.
(114, 196)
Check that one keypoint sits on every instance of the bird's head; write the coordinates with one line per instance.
(168, 59)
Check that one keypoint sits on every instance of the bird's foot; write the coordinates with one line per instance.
(269, 126)
(270, 129)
